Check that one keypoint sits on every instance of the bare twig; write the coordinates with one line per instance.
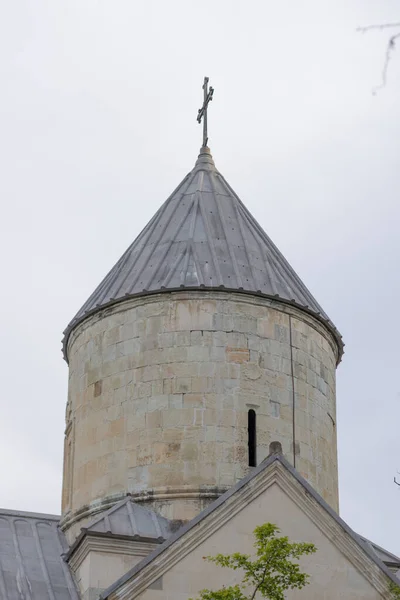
(390, 48)
(384, 26)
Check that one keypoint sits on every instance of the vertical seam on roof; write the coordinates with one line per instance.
(156, 524)
(210, 240)
(67, 573)
(190, 243)
(230, 249)
(173, 267)
(107, 523)
(39, 549)
(20, 563)
(132, 519)
(196, 262)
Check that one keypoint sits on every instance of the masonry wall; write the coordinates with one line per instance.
(159, 394)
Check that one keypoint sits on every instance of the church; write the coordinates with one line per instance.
(201, 404)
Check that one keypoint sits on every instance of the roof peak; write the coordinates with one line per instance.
(205, 159)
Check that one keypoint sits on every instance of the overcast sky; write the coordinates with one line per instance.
(98, 109)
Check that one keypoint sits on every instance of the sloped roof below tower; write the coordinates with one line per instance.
(31, 562)
(132, 519)
(202, 237)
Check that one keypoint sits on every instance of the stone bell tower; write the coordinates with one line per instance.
(199, 348)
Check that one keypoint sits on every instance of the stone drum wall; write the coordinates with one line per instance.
(159, 393)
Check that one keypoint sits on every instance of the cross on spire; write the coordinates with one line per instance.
(202, 113)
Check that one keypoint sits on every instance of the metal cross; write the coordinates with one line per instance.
(208, 96)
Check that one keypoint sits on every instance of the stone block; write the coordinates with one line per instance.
(135, 421)
(194, 401)
(166, 339)
(144, 454)
(166, 452)
(190, 315)
(173, 435)
(226, 417)
(219, 338)
(201, 385)
(198, 353)
(182, 338)
(218, 353)
(157, 387)
(175, 401)
(237, 355)
(210, 416)
(265, 327)
(177, 417)
(189, 451)
(153, 419)
(206, 369)
(181, 385)
(210, 434)
(222, 322)
(117, 427)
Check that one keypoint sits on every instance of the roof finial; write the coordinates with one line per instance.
(208, 96)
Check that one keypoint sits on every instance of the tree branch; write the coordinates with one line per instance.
(260, 582)
(383, 26)
(390, 48)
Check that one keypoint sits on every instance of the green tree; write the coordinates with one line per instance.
(394, 589)
(270, 574)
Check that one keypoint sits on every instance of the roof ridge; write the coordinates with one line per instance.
(108, 511)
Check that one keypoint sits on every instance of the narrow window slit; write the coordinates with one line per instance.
(252, 438)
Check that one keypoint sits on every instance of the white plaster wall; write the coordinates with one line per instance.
(332, 575)
(160, 388)
(100, 569)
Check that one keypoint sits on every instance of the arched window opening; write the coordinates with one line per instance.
(251, 429)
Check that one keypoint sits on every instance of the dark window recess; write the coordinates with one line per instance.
(251, 429)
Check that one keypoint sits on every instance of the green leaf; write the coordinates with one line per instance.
(274, 570)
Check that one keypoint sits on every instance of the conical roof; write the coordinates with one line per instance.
(202, 237)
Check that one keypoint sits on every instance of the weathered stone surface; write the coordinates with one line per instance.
(160, 390)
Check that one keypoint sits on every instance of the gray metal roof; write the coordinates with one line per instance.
(128, 518)
(390, 560)
(31, 562)
(202, 237)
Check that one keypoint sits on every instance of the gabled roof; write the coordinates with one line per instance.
(31, 562)
(202, 237)
(155, 557)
